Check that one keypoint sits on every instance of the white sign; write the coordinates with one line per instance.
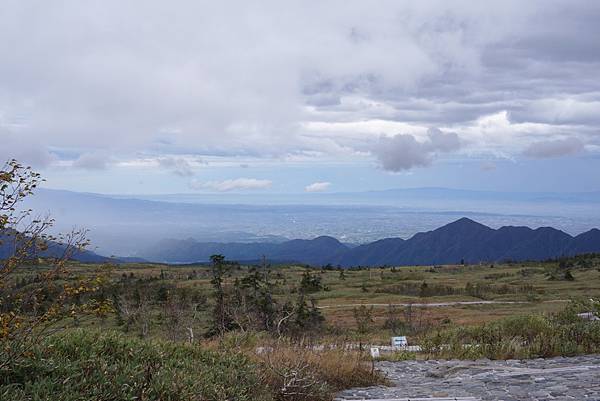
(399, 341)
(374, 353)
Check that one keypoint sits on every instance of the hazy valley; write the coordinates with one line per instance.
(130, 226)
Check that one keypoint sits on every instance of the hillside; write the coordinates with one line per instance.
(313, 251)
(55, 250)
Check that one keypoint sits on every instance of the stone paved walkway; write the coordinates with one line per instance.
(575, 378)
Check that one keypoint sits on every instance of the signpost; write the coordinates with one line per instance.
(374, 353)
(399, 342)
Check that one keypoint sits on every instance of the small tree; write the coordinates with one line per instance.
(28, 312)
(221, 319)
(307, 318)
(569, 275)
(253, 305)
(364, 318)
(310, 282)
(393, 321)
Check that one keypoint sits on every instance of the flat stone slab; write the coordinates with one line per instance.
(573, 378)
(428, 399)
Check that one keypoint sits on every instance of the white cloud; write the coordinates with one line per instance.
(567, 110)
(317, 187)
(232, 185)
(495, 134)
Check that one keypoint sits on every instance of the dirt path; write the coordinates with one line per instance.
(434, 304)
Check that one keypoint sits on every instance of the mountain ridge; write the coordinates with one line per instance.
(461, 240)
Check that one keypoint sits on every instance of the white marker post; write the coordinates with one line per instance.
(374, 355)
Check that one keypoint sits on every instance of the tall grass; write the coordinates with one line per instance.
(520, 337)
(301, 370)
(300, 374)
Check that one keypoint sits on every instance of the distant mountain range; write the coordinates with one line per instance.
(127, 226)
(463, 239)
(320, 250)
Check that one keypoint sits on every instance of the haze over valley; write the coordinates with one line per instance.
(128, 226)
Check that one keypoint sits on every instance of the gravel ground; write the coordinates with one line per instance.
(573, 378)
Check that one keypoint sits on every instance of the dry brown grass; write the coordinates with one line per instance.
(297, 373)
(300, 370)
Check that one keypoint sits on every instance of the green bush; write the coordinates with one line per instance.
(83, 365)
(529, 336)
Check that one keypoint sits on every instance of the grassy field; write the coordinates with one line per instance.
(493, 291)
(156, 340)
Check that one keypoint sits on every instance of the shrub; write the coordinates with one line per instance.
(310, 283)
(83, 365)
(364, 318)
(31, 306)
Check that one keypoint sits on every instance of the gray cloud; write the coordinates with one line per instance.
(404, 151)
(91, 161)
(177, 165)
(147, 76)
(555, 148)
(25, 150)
(488, 166)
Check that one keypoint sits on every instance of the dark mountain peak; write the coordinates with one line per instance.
(586, 242)
(393, 240)
(465, 221)
(551, 231)
(463, 224)
(545, 228)
(326, 239)
(512, 233)
(593, 234)
(593, 231)
(321, 240)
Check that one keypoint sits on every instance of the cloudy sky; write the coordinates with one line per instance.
(294, 96)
